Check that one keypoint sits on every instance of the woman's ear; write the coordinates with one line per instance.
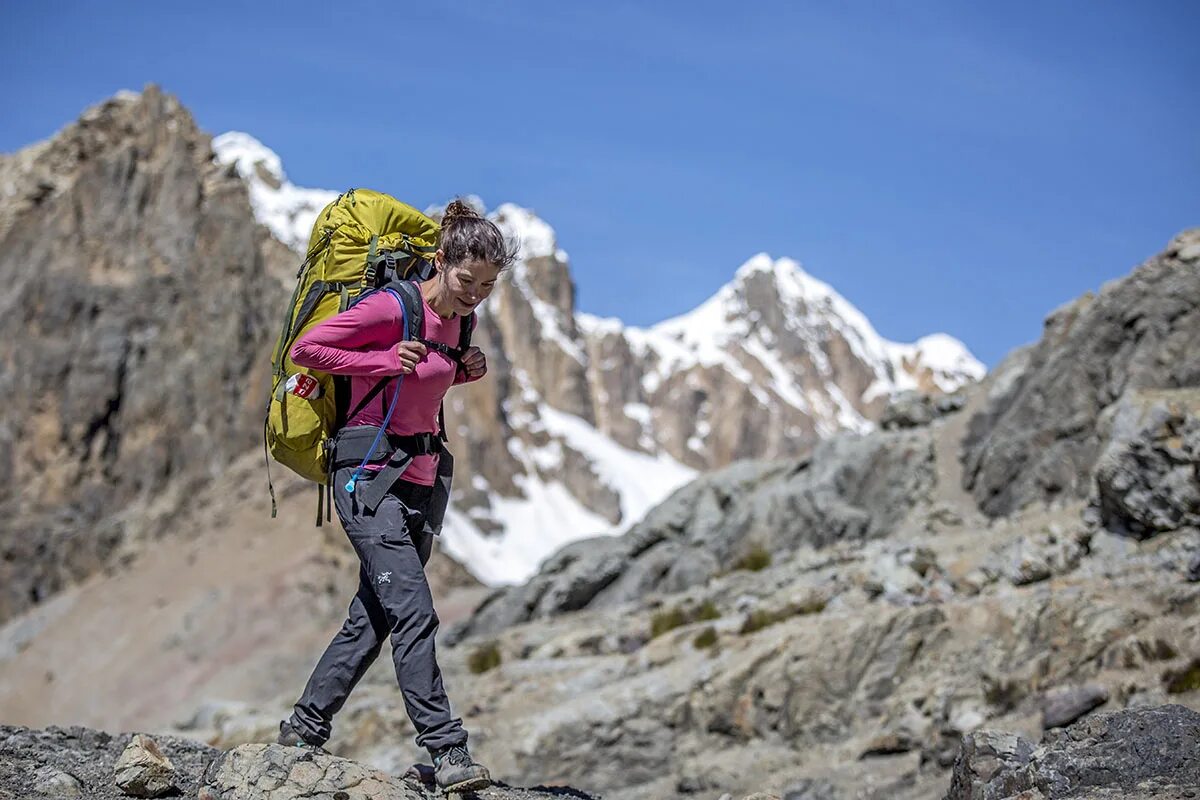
(438, 258)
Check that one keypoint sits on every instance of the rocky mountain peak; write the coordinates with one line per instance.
(775, 305)
(140, 294)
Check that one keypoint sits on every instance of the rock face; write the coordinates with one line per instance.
(773, 362)
(986, 759)
(1038, 439)
(1135, 754)
(1069, 703)
(138, 304)
(852, 489)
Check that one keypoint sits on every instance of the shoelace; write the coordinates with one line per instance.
(456, 755)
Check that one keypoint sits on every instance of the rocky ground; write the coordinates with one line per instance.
(83, 763)
(1135, 754)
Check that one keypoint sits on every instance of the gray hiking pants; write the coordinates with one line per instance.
(393, 599)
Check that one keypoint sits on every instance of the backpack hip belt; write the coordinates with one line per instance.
(353, 447)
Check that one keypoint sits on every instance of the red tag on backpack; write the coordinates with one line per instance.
(305, 386)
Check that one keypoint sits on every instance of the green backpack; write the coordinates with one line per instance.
(361, 241)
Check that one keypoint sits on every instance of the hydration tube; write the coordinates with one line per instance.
(354, 476)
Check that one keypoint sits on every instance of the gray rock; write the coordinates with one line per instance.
(143, 770)
(30, 758)
(267, 771)
(1063, 706)
(1137, 753)
(985, 759)
(1037, 438)
(1193, 570)
(913, 409)
(1038, 557)
(56, 783)
(812, 789)
(1148, 479)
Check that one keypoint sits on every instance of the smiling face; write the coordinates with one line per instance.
(467, 284)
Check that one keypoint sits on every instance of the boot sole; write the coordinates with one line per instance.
(469, 785)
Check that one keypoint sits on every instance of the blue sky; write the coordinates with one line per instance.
(946, 166)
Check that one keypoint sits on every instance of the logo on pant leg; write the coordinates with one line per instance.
(383, 577)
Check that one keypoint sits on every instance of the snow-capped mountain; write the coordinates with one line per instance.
(795, 345)
(287, 210)
(585, 423)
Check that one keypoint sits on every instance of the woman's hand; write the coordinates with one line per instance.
(474, 363)
(409, 354)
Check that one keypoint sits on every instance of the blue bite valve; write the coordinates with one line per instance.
(350, 484)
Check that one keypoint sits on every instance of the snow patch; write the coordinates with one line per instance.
(544, 519)
(547, 516)
(641, 480)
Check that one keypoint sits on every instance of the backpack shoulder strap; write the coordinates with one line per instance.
(464, 335)
(414, 307)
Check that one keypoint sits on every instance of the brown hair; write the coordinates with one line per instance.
(467, 236)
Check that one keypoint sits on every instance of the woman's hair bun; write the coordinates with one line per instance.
(458, 210)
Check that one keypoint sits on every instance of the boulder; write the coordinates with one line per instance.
(1148, 478)
(1136, 754)
(274, 772)
(913, 409)
(143, 770)
(1066, 704)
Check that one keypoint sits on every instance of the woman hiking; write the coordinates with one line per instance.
(391, 527)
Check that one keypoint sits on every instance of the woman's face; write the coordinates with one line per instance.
(469, 284)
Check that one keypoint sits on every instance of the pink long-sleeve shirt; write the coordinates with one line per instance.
(361, 342)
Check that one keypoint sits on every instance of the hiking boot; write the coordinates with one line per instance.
(455, 771)
(290, 737)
